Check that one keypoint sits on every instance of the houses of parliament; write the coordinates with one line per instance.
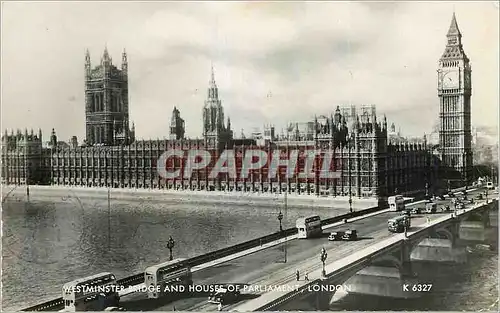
(373, 161)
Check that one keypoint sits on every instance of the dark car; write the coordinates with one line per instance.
(351, 234)
(416, 210)
(223, 296)
(336, 235)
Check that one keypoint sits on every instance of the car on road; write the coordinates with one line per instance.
(446, 208)
(411, 211)
(350, 234)
(430, 207)
(336, 235)
(224, 296)
(416, 210)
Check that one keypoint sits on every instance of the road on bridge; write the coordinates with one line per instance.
(267, 267)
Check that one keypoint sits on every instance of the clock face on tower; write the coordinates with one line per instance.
(449, 80)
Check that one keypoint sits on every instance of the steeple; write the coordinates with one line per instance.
(212, 77)
(53, 138)
(213, 92)
(454, 31)
(454, 50)
(87, 63)
(87, 57)
(124, 61)
(105, 57)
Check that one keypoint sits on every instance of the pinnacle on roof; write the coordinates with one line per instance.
(212, 77)
(106, 54)
(454, 31)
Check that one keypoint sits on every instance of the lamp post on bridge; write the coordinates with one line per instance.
(324, 255)
(280, 218)
(170, 246)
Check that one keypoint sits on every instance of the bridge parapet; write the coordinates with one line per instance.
(395, 250)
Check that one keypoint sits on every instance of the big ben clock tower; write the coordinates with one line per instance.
(454, 91)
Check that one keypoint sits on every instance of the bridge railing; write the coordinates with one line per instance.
(51, 305)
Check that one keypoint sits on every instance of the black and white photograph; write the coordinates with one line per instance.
(249, 156)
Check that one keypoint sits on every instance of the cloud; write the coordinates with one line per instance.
(309, 56)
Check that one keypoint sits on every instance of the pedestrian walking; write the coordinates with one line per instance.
(306, 277)
(297, 275)
(219, 307)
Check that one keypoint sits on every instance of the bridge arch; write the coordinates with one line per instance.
(474, 217)
(445, 233)
(440, 233)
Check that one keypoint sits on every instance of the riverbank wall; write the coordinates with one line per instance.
(19, 193)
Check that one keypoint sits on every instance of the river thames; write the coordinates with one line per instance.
(48, 243)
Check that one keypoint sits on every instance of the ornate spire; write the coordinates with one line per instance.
(212, 77)
(454, 49)
(105, 56)
(124, 60)
(213, 92)
(87, 56)
(454, 31)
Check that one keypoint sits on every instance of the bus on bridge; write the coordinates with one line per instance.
(92, 293)
(398, 224)
(396, 203)
(309, 227)
(171, 274)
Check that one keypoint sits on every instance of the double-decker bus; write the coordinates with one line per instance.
(172, 273)
(396, 203)
(309, 227)
(93, 293)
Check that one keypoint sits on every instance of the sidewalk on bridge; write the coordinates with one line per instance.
(197, 196)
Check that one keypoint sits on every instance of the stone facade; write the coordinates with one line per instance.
(373, 161)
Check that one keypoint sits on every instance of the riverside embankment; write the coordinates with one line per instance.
(206, 197)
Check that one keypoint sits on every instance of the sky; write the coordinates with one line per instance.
(274, 62)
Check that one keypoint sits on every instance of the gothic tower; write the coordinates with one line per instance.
(177, 127)
(215, 133)
(454, 91)
(106, 102)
